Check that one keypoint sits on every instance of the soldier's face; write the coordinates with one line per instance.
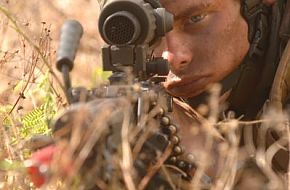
(208, 41)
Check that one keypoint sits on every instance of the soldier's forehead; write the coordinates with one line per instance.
(180, 2)
(179, 7)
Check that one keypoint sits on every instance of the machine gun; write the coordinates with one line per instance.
(127, 120)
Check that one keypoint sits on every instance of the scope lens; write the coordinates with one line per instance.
(121, 28)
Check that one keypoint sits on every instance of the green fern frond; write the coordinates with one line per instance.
(37, 121)
(35, 117)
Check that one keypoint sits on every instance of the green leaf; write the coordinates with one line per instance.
(8, 165)
(37, 121)
(99, 76)
(19, 86)
(6, 119)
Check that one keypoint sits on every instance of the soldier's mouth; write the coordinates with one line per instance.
(187, 86)
(173, 78)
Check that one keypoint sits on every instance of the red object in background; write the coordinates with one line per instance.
(40, 159)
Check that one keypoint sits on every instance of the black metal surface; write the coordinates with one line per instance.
(71, 34)
(121, 28)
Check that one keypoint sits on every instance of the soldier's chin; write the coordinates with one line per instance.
(183, 93)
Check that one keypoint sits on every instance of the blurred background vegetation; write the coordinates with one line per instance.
(30, 90)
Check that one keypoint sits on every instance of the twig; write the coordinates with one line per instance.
(127, 161)
(35, 47)
(152, 170)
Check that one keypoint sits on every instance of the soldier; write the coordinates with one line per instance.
(237, 43)
(240, 44)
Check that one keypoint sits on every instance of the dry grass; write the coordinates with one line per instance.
(247, 167)
(29, 33)
(28, 42)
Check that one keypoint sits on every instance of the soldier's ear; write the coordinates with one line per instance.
(269, 2)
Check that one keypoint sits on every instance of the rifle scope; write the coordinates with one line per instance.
(133, 22)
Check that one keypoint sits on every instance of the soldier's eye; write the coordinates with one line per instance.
(197, 18)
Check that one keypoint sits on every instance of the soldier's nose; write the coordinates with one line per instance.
(178, 52)
(178, 62)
